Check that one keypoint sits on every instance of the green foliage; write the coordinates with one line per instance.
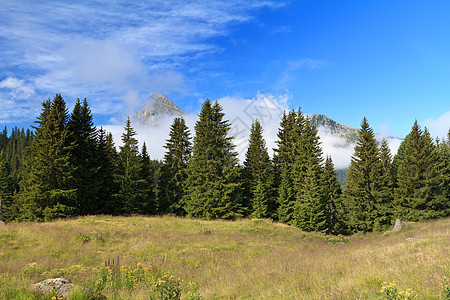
(49, 181)
(390, 291)
(419, 194)
(367, 207)
(257, 176)
(332, 194)
(173, 171)
(133, 195)
(213, 189)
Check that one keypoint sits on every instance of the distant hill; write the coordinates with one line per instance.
(157, 107)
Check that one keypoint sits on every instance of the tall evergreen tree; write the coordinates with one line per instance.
(362, 191)
(257, 176)
(284, 156)
(49, 189)
(146, 183)
(82, 137)
(6, 187)
(213, 189)
(418, 195)
(129, 196)
(444, 168)
(386, 190)
(105, 163)
(332, 194)
(173, 170)
(310, 208)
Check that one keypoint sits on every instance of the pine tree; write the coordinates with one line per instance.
(257, 175)
(444, 168)
(173, 171)
(386, 191)
(213, 189)
(105, 163)
(310, 208)
(418, 195)
(332, 194)
(6, 187)
(48, 189)
(146, 183)
(82, 138)
(285, 154)
(129, 195)
(362, 191)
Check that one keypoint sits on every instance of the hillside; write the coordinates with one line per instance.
(222, 259)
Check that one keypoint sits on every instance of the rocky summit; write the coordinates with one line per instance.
(335, 128)
(157, 107)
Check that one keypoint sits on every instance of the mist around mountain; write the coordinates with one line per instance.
(337, 140)
(157, 107)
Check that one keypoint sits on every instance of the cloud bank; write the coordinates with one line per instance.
(241, 112)
(106, 51)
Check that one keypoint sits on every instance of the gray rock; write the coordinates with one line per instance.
(411, 240)
(2, 223)
(399, 225)
(62, 288)
(147, 226)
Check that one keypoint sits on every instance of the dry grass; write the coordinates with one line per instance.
(240, 259)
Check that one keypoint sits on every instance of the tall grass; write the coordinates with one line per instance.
(226, 259)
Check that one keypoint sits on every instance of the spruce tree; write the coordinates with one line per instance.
(386, 190)
(173, 170)
(129, 197)
(82, 138)
(6, 187)
(362, 191)
(444, 168)
(283, 159)
(257, 175)
(332, 194)
(213, 189)
(146, 183)
(418, 195)
(310, 208)
(49, 191)
(105, 163)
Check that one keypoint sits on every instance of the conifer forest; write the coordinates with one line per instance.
(66, 167)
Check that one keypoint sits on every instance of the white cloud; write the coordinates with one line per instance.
(440, 126)
(17, 88)
(239, 111)
(338, 148)
(102, 50)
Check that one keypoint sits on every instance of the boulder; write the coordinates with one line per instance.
(2, 223)
(399, 225)
(62, 288)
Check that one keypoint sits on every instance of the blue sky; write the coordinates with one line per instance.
(386, 60)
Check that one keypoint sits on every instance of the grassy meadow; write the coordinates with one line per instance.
(247, 259)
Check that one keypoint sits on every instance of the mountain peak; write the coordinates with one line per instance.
(157, 107)
(335, 128)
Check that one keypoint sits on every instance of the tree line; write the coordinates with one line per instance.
(67, 167)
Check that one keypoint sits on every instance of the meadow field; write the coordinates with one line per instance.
(142, 257)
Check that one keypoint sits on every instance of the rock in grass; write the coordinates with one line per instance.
(2, 223)
(62, 288)
(399, 225)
